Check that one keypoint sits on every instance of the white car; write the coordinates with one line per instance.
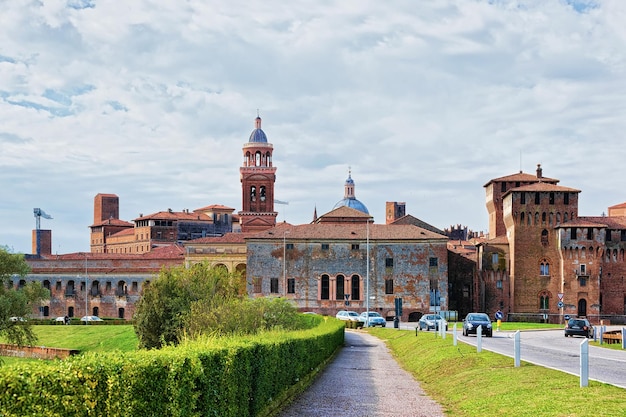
(346, 315)
(374, 319)
(90, 318)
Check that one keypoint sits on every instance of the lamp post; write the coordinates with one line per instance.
(367, 273)
(285, 261)
(86, 290)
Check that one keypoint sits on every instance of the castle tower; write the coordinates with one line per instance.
(257, 183)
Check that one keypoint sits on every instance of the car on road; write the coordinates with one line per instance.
(90, 318)
(578, 327)
(346, 315)
(473, 320)
(431, 321)
(374, 319)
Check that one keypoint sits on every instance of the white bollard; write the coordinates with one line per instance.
(516, 343)
(584, 363)
(479, 339)
(454, 335)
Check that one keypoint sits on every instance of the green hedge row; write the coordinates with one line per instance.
(236, 377)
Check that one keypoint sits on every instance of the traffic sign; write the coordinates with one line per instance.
(499, 315)
(560, 304)
(560, 296)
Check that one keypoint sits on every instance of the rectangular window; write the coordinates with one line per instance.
(289, 246)
(503, 187)
(291, 285)
(258, 285)
(583, 269)
(274, 285)
(389, 286)
(537, 198)
(572, 233)
(523, 198)
(432, 262)
(582, 281)
(494, 259)
(499, 284)
(551, 198)
(589, 233)
(623, 235)
(355, 246)
(325, 246)
(566, 198)
(608, 235)
(388, 262)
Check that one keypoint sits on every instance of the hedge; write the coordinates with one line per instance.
(238, 377)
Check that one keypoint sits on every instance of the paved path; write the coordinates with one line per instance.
(363, 381)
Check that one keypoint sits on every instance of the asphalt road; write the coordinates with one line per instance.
(551, 349)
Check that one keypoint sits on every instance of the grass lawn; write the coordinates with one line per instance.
(93, 338)
(467, 383)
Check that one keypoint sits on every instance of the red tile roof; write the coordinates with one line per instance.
(522, 177)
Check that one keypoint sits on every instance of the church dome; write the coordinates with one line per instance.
(352, 203)
(258, 135)
(349, 200)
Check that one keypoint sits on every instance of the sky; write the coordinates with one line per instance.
(424, 102)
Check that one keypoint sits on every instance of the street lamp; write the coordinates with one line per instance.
(367, 273)
(285, 232)
(86, 290)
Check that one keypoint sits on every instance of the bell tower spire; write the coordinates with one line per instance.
(257, 182)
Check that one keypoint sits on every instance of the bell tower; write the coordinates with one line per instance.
(257, 182)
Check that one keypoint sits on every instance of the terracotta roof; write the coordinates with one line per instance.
(622, 205)
(350, 231)
(409, 219)
(113, 222)
(617, 222)
(164, 252)
(175, 215)
(125, 232)
(345, 211)
(522, 177)
(542, 186)
(215, 207)
(226, 238)
(500, 240)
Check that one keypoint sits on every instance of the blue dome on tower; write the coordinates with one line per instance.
(349, 200)
(258, 135)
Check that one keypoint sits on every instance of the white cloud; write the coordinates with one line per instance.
(426, 101)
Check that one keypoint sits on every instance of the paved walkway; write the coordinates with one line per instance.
(363, 381)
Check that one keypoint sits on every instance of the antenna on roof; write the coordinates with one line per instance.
(520, 161)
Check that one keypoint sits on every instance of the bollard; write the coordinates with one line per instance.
(584, 363)
(517, 349)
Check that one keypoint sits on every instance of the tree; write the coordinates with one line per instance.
(166, 303)
(17, 303)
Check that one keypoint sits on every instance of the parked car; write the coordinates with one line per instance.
(346, 315)
(431, 321)
(579, 327)
(473, 320)
(19, 319)
(374, 319)
(90, 318)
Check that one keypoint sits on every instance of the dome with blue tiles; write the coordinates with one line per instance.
(349, 199)
(258, 135)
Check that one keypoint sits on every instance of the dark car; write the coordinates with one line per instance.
(431, 321)
(473, 320)
(579, 327)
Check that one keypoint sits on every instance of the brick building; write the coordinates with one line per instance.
(114, 282)
(543, 260)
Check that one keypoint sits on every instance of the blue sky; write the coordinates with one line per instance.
(425, 101)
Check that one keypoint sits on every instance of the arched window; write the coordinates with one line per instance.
(536, 218)
(521, 218)
(544, 300)
(356, 287)
(325, 287)
(544, 237)
(564, 217)
(262, 192)
(543, 218)
(257, 159)
(253, 193)
(340, 287)
(544, 268)
(558, 218)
